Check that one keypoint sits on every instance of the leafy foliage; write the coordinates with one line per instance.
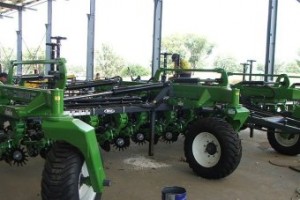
(107, 62)
(190, 46)
(282, 68)
(230, 64)
(34, 54)
(298, 60)
(31, 54)
(134, 71)
(293, 67)
(7, 54)
(260, 68)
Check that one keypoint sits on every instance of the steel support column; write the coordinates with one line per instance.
(48, 33)
(90, 42)
(271, 39)
(19, 32)
(19, 40)
(157, 24)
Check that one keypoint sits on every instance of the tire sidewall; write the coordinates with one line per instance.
(286, 150)
(220, 129)
(62, 171)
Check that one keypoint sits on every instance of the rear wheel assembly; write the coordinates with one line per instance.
(284, 143)
(65, 175)
(212, 148)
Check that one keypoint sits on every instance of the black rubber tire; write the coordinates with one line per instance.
(291, 148)
(229, 145)
(60, 179)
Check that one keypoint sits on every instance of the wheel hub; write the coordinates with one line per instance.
(120, 142)
(18, 156)
(169, 136)
(211, 148)
(140, 137)
(206, 149)
(287, 140)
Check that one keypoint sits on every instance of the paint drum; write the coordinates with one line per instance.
(173, 193)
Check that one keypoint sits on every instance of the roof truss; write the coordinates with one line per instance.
(9, 5)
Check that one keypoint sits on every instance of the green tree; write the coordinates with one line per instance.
(7, 54)
(293, 67)
(298, 60)
(279, 68)
(77, 70)
(107, 62)
(34, 54)
(230, 64)
(193, 47)
(134, 70)
(260, 68)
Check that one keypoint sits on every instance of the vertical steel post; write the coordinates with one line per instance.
(245, 67)
(157, 24)
(251, 68)
(19, 40)
(90, 42)
(271, 39)
(48, 34)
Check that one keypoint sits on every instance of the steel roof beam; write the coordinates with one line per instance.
(10, 6)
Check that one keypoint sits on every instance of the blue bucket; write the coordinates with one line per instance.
(174, 193)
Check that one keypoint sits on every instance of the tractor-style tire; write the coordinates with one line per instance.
(212, 148)
(64, 173)
(284, 143)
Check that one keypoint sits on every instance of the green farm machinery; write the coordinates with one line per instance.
(67, 122)
(274, 108)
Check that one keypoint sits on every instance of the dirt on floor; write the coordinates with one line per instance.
(262, 174)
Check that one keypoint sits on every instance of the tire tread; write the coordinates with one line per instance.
(230, 146)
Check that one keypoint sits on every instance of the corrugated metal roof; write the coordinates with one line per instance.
(9, 5)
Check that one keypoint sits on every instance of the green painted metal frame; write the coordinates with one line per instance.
(20, 103)
(279, 92)
(48, 105)
(208, 95)
(60, 64)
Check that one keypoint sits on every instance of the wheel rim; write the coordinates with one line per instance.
(287, 140)
(86, 192)
(206, 149)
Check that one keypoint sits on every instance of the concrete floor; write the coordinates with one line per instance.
(254, 179)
